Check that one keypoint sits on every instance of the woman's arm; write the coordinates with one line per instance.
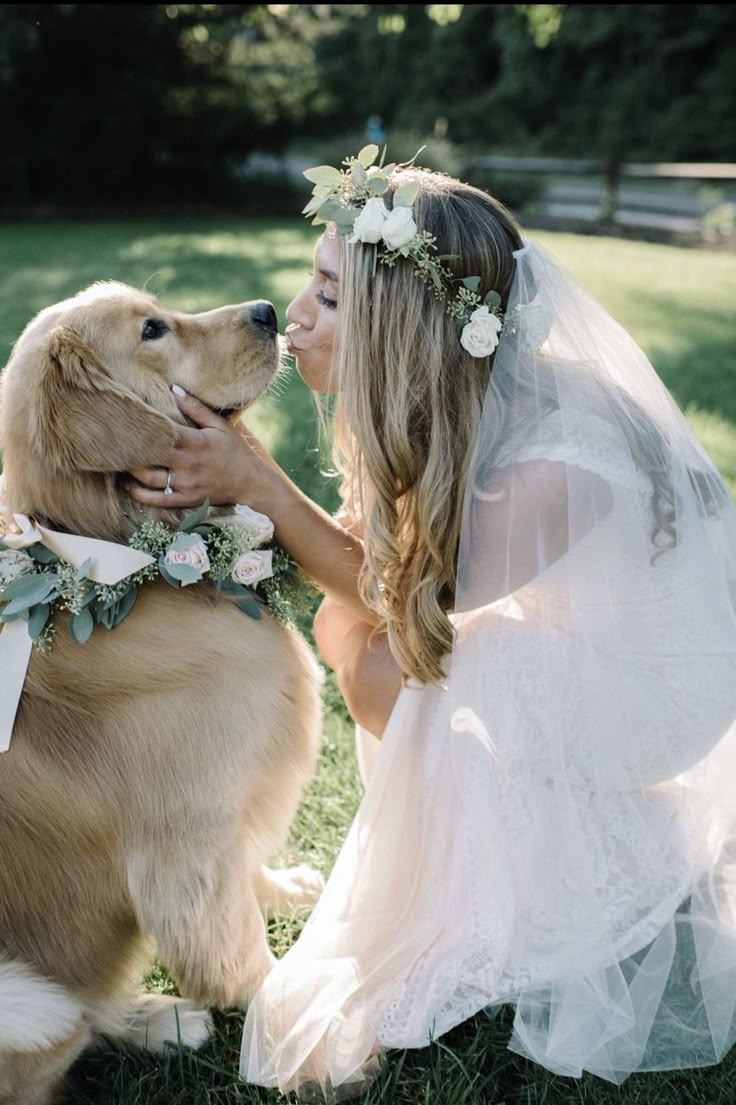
(367, 674)
(227, 464)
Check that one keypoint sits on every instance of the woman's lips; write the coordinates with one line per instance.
(290, 344)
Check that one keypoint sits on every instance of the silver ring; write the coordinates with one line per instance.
(168, 490)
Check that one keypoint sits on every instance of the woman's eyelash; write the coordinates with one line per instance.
(322, 298)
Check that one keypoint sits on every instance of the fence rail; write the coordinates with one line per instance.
(680, 199)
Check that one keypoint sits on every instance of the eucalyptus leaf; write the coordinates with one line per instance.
(378, 185)
(6, 619)
(406, 194)
(106, 615)
(314, 205)
(345, 216)
(125, 605)
(250, 606)
(472, 283)
(83, 569)
(368, 155)
(186, 572)
(81, 626)
(42, 555)
(194, 518)
(492, 299)
(323, 174)
(358, 173)
(322, 190)
(25, 601)
(4, 547)
(37, 620)
(232, 587)
(330, 208)
(184, 541)
(26, 584)
(164, 570)
(89, 596)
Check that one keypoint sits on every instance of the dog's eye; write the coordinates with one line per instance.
(153, 328)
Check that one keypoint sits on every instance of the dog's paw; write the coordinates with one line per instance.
(289, 888)
(156, 1021)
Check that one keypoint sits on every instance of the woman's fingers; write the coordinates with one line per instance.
(199, 413)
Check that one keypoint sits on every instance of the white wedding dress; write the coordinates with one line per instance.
(555, 827)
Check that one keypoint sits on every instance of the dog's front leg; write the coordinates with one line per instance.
(200, 907)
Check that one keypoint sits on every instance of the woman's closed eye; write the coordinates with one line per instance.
(325, 302)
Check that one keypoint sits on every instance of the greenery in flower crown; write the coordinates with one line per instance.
(350, 197)
(36, 585)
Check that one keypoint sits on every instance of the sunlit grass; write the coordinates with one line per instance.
(677, 303)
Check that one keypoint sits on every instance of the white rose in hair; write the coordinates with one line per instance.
(261, 523)
(194, 556)
(369, 223)
(399, 228)
(480, 333)
(252, 567)
(14, 564)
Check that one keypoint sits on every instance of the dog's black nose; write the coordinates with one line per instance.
(264, 315)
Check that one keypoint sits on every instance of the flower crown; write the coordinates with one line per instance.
(352, 198)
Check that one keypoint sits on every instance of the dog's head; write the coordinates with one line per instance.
(86, 396)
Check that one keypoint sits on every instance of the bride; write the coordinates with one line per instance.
(530, 600)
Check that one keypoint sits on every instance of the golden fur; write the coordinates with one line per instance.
(152, 769)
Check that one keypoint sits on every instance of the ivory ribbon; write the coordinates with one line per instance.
(110, 563)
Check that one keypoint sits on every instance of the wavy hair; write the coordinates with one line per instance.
(407, 412)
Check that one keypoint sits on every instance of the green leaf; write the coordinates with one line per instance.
(232, 587)
(323, 174)
(125, 605)
(106, 615)
(81, 626)
(42, 555)
(39, 616)
(368, 155)
(185, 572)
(84, 568)
(322, 190)
(89, 596)
(358, 173)
(345, 217)
(184, 541)
(24, 584)
(406, 194)
(39, 592)
(330, 209)
(472, 283)
(164, 570)
(378, 185)
(194, 518)
(250, 605)
(492, 299)
(314, 205)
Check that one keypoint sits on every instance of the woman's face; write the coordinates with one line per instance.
(312, 318)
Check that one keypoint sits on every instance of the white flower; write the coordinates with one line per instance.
(14, 564)
(399, 228)
(194, 556)
(261, 523)
(480, 333)
(369, 223)
(252, 567)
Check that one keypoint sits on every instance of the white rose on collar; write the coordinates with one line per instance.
(193, 556)
(369, 224)
(399, 228)
(261, 523)
(252, 567)
(480, 333)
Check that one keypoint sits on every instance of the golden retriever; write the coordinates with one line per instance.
(152, 769)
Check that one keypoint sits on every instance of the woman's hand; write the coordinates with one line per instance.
(217, 461)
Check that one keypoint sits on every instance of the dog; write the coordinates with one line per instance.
(152, 769)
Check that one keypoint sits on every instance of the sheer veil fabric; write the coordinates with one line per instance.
(554, 827)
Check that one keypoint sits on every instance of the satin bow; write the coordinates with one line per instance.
(110, 563)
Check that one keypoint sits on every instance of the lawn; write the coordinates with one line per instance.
(677, 303)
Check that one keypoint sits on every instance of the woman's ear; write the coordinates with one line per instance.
(88, 421)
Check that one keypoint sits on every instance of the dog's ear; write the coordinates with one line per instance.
(89, 421)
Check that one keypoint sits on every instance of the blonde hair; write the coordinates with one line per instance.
(407, 412)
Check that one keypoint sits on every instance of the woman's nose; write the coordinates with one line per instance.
(298, 313)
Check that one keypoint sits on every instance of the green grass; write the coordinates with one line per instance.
(677, 303)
